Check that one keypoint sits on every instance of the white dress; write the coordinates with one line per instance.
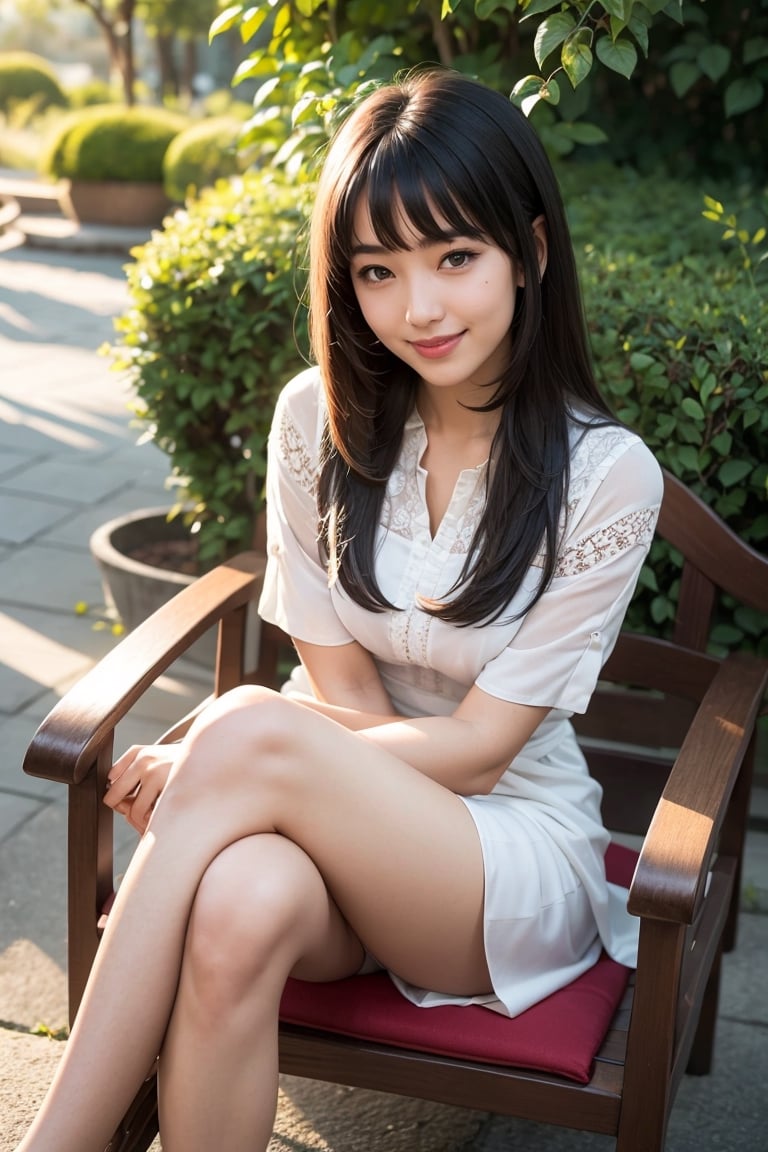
(548, 907)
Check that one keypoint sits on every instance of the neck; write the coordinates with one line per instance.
(445, 412)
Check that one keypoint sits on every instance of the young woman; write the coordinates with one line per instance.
(456, 525)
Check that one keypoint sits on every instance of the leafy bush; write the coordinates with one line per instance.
(200, 155)
(676, 82)
(679, 331)
(212, 334)
(92, 92)
(24, 77)
(110, 142)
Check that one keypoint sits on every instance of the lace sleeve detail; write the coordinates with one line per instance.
(295, 452)
(630, 530)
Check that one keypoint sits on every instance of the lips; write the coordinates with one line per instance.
(437, 346)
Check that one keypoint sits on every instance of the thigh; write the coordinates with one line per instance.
(399, 853)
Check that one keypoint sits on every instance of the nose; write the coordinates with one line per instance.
(424, 304)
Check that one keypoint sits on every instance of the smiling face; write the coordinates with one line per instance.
(443, 306)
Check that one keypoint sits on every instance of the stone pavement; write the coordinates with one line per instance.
(68, 462)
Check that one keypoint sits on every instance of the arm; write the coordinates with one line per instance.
(466, 751)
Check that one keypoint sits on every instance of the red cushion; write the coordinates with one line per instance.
(560, 1034)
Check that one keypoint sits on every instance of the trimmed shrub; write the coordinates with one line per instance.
(92, 92)
(200, 155)
(679, 330)
(110, 142)
(213, 332)
(24, 77)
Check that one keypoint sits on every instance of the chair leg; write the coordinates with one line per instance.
(700, 1059)
(139, 1126)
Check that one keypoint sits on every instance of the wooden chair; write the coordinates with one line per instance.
(670, 735)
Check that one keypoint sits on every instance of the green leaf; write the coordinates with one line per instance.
(225, 20)
(692, 408)
(618, 55)
(722, 443)
(732, 471)
(252, 21)
(673, 8)
(576, 58)
(617, 8)
(714, 205)
(486, 8)
(682, 76)
(714, 61)
(550, 91)
(535, 7)
(550, 33)
(726, 634)
(527, 93)
(639, 23)
(741, 95)
(662, 609)
(246, 69)
(755, 49)
(640, 361)
(689, 457)
(582, 133)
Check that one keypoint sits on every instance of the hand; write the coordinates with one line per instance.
(136, 780)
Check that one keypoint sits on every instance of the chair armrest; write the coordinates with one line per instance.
(671, 874)
(64, 746)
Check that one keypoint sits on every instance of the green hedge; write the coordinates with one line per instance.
(25, 76)
(213, 331)
(678, 320)
(92, 92)
(111, 142)
(200, 155)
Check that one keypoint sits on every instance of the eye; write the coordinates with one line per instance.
(459, 259)
(374, 274)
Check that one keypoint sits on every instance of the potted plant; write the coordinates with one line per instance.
(112, 158)
(215, 327)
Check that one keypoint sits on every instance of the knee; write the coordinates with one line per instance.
(245, 931)
(249, 728)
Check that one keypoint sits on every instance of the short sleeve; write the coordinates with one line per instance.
(296, 596)
(555, 657)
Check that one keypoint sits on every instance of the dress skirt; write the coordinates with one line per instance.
(540, 930)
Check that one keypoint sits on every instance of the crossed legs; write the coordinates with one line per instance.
(282, 843)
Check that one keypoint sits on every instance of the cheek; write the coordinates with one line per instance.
(374, 314)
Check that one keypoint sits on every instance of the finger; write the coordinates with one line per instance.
(121, 790)
(124, 762)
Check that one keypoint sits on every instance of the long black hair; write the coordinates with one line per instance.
(437, 144)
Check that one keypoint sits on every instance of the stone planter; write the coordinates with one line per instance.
(135, 589)
(9, 212)
(109, 202)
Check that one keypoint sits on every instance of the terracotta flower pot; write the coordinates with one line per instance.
(127, 205)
